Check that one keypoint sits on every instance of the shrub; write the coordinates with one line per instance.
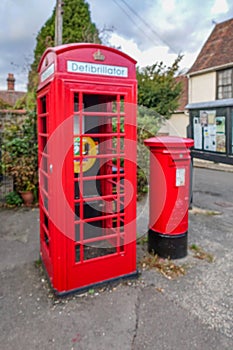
(19, 155)
(13, 199)
(148, 122)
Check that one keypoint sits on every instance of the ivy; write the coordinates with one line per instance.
(19, 154)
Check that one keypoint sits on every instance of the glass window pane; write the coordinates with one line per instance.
(224, 88)
(220, 122)
(43, 104)
(101, 248)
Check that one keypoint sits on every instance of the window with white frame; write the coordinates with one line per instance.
(224, 84)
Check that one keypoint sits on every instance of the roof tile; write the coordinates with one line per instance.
(217, 50)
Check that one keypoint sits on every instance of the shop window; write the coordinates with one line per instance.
(209, 130)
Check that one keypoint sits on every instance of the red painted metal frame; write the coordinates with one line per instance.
(63, 254)
(169, 202)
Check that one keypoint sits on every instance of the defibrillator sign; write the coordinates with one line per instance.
(99, 69)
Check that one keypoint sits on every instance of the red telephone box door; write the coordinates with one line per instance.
(99, 181)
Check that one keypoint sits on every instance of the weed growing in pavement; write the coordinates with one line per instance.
(165, 266)
(200, 253)
(206, 212)
(142, 240)
(38, 263)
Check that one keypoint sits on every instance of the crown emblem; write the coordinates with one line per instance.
(98, 56)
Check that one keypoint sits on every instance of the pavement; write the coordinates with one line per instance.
(190, 311)
(208, 164)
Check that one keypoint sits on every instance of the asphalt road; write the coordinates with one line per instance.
(189, 312)
(213, 189)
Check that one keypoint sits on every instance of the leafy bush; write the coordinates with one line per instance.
(13, 199)
(149, 123)
(19, 154)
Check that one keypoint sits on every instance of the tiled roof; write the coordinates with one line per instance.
(218, 49)
(10, 97)
(183, 100)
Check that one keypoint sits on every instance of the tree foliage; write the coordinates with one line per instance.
(77, 27)
(158, 89)
(158, 95)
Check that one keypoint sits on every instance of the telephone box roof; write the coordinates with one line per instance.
(57, 50)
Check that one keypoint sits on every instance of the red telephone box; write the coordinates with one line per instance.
(170, 166)
(87, 165)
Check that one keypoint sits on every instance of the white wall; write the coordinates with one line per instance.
(176, 125)
(202, 88)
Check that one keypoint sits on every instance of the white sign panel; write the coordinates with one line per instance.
(49, 71)
(180, 177)
(197, 131)
(98, 69)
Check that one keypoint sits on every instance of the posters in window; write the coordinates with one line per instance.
(197, 131)
(220, 130)
(209, 131)
(207, 120)
(210, 138)
(220, 125)
(204, 118)
(221, 143)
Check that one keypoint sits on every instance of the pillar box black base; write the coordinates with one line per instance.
(168, 246)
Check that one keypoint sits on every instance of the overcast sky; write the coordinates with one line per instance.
(149, 30)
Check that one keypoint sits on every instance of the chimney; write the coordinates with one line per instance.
(10, 82)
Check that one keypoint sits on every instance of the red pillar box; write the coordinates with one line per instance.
(170, 165)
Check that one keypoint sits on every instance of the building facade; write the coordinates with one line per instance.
(8, 99)
(210, 97)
